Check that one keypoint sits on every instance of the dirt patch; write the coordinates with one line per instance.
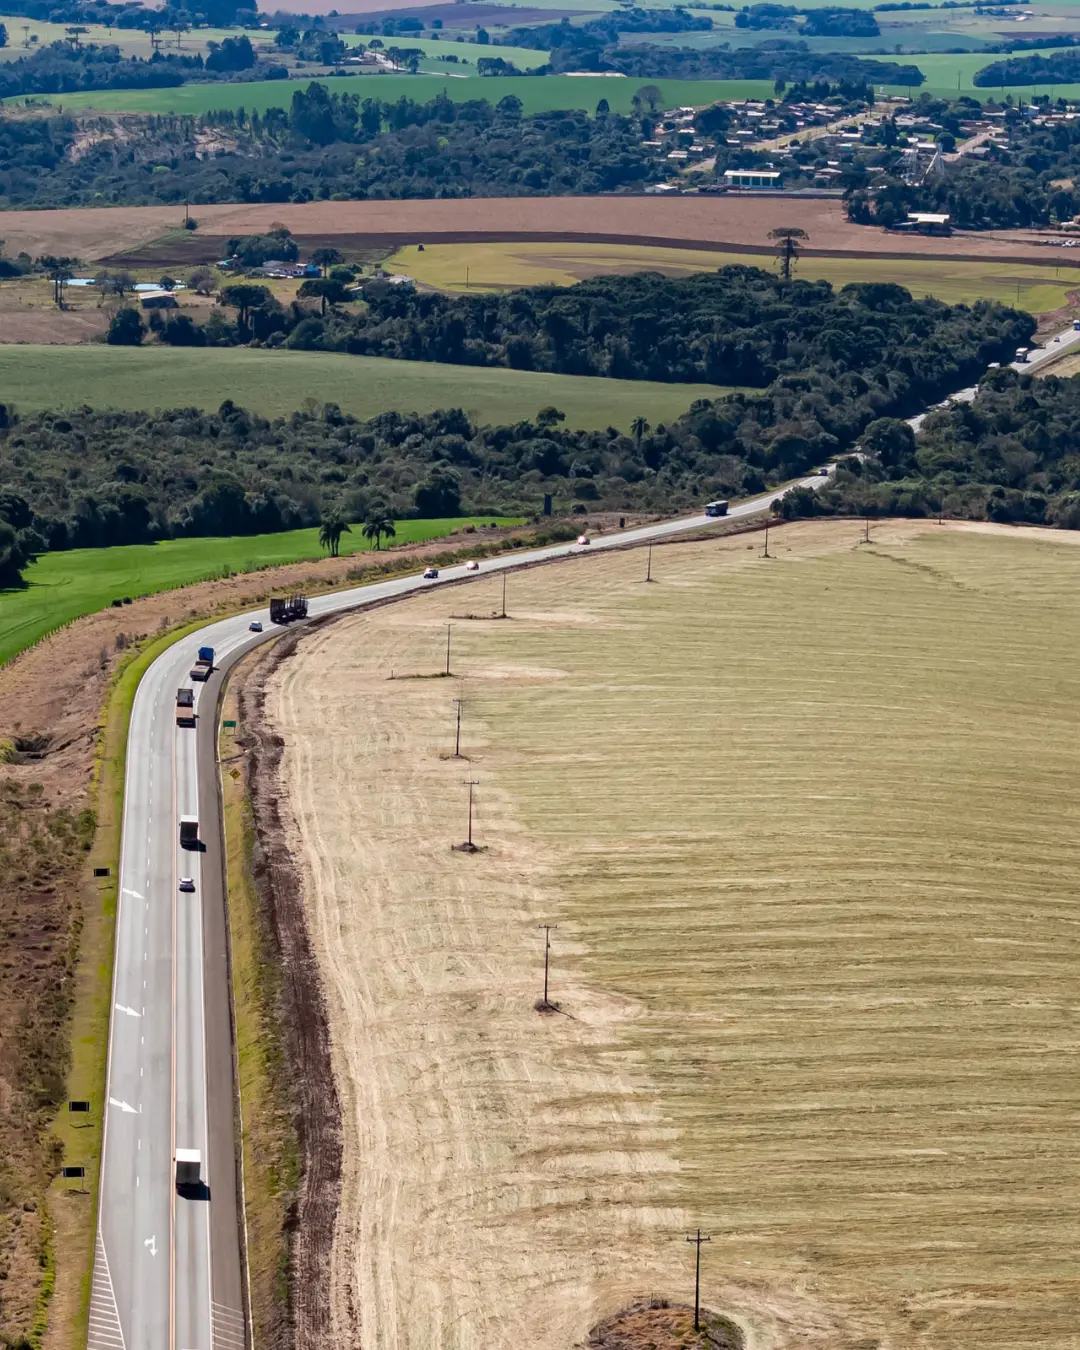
(656, 1325)
(742, 223)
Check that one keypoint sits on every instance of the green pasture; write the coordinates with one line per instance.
(276, 383)
(537, 93)
(62, 587)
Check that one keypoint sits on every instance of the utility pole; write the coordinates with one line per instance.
(866, 536)
(457, 734)
(697, 1240)
(766, 554)
(448, 649)
(648, 570)
(470, 847)
(547, 927)
(503, 614)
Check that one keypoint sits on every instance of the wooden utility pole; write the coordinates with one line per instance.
(547, 927)
(503, 614)
(457, 734)
(448, 649)
(698, 1239)
(472, 782)
(866, 536)
(766, 554)
(648, 569)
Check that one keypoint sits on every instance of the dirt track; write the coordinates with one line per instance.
(738, 222)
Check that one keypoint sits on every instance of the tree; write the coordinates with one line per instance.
(787, 239)
(180, 330)
(12, 557)
(74, 34)
(892, 441)
(332, 292)
(603, 108)
(378, 523)
(202, 281)
(651, 96)
(3, 35)
(330, 532)
(327, 258)
(245, 297)
(549, 417)
(126, 329)
(638, 428)
(59, 271)
(439, 495)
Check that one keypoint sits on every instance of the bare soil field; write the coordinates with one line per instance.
(739, 222)
(806, 827)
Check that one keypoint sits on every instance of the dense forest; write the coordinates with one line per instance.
(1061, 67)
(437, 149)
(739, 326)
(1030, 181)
(62, 69)
(1013, 455)
(87, 478)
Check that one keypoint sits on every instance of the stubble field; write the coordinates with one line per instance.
(807, 829)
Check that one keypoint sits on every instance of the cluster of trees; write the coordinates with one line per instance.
(738, 326)
(829, 21)
(595, 34)
(1028, 182)
(774, 59)
(60, 68)
(437, 149)
(1013, 455)
(216, 13)
(1061, 67)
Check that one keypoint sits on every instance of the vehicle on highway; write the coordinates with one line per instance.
(584, 539)
(823, 472)
(1076, 325)
(187, 884)
(284, 609)
(255, 626)
(472, 565)
(188, 1167)
(189, 832)
(204, 664)
(185, 707)
(716, 509)
(430, 573)
(1021, 353)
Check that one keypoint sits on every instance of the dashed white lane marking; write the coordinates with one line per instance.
(105, 1331)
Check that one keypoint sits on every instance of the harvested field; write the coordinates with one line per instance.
(806, 827)
(741, 223)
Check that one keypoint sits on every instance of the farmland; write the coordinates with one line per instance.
(276, 383)
(804, 826)
(491, 266)
(536, 94)
(65, 586)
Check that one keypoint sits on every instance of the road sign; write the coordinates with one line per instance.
(101, 871)
(78, 1106)
(229, 722)
(73, 1172)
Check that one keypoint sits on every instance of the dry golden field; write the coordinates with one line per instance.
(808, 828)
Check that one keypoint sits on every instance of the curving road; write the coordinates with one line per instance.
(167, 1269)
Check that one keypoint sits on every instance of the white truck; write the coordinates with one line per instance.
(188, 1167)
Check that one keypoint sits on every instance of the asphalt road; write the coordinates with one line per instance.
(167, 1269)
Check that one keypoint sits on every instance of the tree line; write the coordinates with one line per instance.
(1013, 456)
(736, 326)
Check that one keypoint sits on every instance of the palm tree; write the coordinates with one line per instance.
(330, 532)
(638, 428)
(378, 523)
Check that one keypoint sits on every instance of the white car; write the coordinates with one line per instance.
(255, 627)
(430, 573)
(472, 565)
(584, 539)
(186, 884)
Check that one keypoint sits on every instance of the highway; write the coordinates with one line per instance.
(167, 1267)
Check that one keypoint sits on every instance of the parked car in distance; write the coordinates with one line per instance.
(255, 627)
(472, 565)
(186, 884)
(430, 573)
(584, 539)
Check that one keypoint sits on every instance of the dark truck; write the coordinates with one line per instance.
(185, 707)
(286, 608)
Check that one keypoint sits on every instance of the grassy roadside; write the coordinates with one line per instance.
(74, 1211)
(271, 1149)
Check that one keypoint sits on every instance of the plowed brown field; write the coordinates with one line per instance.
(742, 222)
(808, 830)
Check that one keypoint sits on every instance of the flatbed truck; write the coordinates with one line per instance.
(185, 707)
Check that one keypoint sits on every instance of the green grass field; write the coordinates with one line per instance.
(950, 73)
(65, 586)
(277, 383)
(537, 94)
(1038, 289)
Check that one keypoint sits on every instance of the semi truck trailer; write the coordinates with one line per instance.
(284, 609)
(188, 1167)
(189, 831)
